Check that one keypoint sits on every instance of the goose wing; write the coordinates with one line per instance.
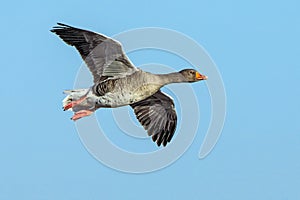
(158, 116)
(104, 56)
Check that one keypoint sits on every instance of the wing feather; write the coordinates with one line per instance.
(104, 56)
(158, 116)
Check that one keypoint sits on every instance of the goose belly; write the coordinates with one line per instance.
(122, 97)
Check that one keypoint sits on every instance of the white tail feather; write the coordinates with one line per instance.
(73, 95)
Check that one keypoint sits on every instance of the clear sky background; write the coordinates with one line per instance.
(256, 47)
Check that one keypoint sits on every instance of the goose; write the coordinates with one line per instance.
(117, 82)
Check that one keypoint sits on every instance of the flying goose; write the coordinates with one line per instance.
(117, 82)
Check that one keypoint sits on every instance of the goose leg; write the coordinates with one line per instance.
(74, 103)
(80, 114)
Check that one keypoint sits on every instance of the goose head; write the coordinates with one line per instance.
(192, 75)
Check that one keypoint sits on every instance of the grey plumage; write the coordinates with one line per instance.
(158, 116)
(103, 55)
(117, 82)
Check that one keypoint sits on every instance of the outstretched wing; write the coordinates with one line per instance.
(103, 55)
(158, 117)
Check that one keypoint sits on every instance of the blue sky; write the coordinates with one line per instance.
(256, 47)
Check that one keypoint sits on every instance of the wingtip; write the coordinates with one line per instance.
(59, 26)
(62, 24)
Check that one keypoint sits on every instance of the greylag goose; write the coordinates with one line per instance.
(117, 82)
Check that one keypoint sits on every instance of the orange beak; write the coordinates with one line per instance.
(200, 76)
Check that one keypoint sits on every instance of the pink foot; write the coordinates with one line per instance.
(74, 103)
(80, 114)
